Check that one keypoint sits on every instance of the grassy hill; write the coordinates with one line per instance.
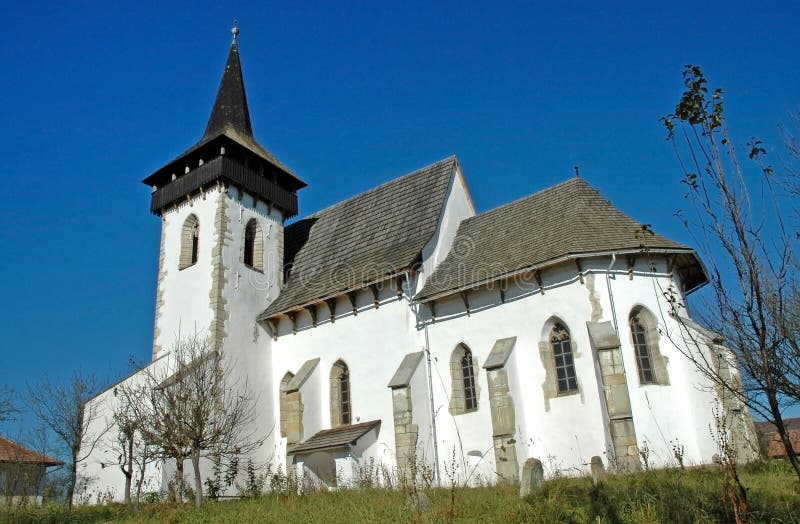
(669, 496)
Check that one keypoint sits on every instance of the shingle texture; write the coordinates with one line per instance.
(570, 218)
(12, 452)
(230, 105)
(373, 235)
(335, 438)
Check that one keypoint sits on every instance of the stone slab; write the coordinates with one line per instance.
(402, 377)
(500, 353)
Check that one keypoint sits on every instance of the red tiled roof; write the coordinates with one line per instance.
(771, 439)
(12, 452)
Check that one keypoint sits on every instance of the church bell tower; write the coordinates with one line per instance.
(222, 204)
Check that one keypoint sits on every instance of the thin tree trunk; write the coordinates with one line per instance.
(179, 483)
(128, 472)
(784, 433)
(198, 484)
(140, 480)
(73, 469)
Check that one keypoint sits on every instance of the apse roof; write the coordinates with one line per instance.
(569, 219)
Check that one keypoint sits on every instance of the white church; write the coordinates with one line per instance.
(401, 326)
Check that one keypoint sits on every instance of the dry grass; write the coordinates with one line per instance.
(674, 496)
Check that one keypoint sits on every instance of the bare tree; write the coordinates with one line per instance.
(64, 409)
(193, 408)
(124, 447)
(133, 453)
(745, 233)
(7, 406)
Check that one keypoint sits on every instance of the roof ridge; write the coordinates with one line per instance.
(451, 158)
(548, 189)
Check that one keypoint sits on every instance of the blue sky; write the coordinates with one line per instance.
(96, 97)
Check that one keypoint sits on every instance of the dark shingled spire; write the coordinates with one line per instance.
(230, 107)
(229, 152)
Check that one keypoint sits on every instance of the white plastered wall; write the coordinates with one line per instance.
(247, 292)
(184, 292)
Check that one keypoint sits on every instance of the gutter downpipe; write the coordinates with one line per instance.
(415, 307)
(433, 407)
(610, 293)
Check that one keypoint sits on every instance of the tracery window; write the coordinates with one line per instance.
(468, 376)
(561, 344)
(463, 373)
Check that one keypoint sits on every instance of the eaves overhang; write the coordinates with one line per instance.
(695, 282)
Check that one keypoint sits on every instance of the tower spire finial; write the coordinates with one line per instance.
(235, 29)
(230, 106)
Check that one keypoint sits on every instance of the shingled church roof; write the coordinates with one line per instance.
(366, 238)
(568, 220)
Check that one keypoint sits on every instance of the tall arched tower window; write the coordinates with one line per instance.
(253, 245)
(190, 242)
(341, 408)
(652, 366)
(561, 344)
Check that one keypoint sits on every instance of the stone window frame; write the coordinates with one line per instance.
(283, 396)
(550, 385)
(658, 362)
(341, 406)
(253, 248)
(458, 394)
(190, 242)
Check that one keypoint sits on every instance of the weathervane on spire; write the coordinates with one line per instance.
(235, 28)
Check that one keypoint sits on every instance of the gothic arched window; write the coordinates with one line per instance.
(561, 344)
(341, 408)
(644, 361)
(190, 242)
(464, 394)
(468, 376)
(253, 245)
(650, 363)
